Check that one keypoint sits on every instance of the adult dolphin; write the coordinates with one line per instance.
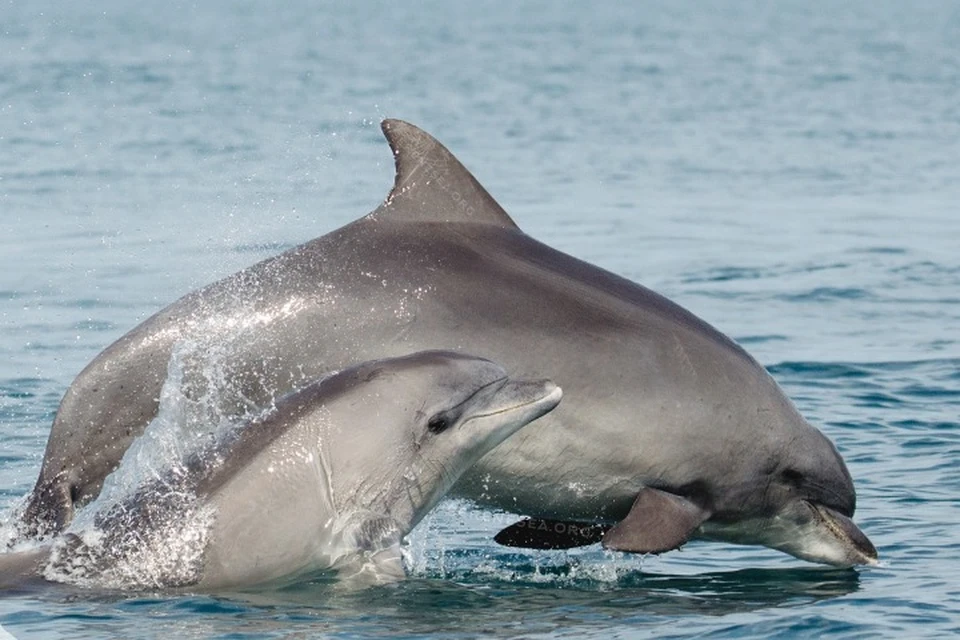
(665, 418)
(331, 477)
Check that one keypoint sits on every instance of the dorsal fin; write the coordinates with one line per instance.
(431, 184)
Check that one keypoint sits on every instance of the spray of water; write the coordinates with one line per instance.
(148, 528)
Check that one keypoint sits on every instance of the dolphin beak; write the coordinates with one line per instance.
(516, 401)
(856, 547)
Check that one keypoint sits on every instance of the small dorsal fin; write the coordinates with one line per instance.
(432, 185)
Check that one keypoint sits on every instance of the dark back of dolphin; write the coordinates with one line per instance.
(655, 397)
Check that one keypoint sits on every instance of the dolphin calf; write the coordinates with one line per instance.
(331, 477)
(670, 431)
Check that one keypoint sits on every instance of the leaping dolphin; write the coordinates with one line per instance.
(669, 428)
(331, 477)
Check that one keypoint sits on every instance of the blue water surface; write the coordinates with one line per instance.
(788, 171)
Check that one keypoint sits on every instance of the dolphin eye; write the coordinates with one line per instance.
(792, 476)
(438, 423)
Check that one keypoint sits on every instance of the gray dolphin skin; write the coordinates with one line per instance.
(669, 431)
(331, 477)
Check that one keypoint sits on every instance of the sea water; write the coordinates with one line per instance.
(788, 171)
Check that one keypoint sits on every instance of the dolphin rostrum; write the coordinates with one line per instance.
(331, 477)
(669, 428)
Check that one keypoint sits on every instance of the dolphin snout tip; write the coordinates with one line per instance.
(549, 397)
(543, 391)
(553, 392)
(857, 549)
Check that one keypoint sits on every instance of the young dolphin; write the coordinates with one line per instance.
(665, 417)
(331, 477)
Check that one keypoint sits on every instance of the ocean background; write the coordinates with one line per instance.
(788, 171)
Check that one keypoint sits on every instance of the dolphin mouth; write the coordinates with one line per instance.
(543, 395)
(857, 548)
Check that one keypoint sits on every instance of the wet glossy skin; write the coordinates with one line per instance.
(653, 395)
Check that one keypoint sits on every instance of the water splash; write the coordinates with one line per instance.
(148, 528)
(474, 558)
(190, 418)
